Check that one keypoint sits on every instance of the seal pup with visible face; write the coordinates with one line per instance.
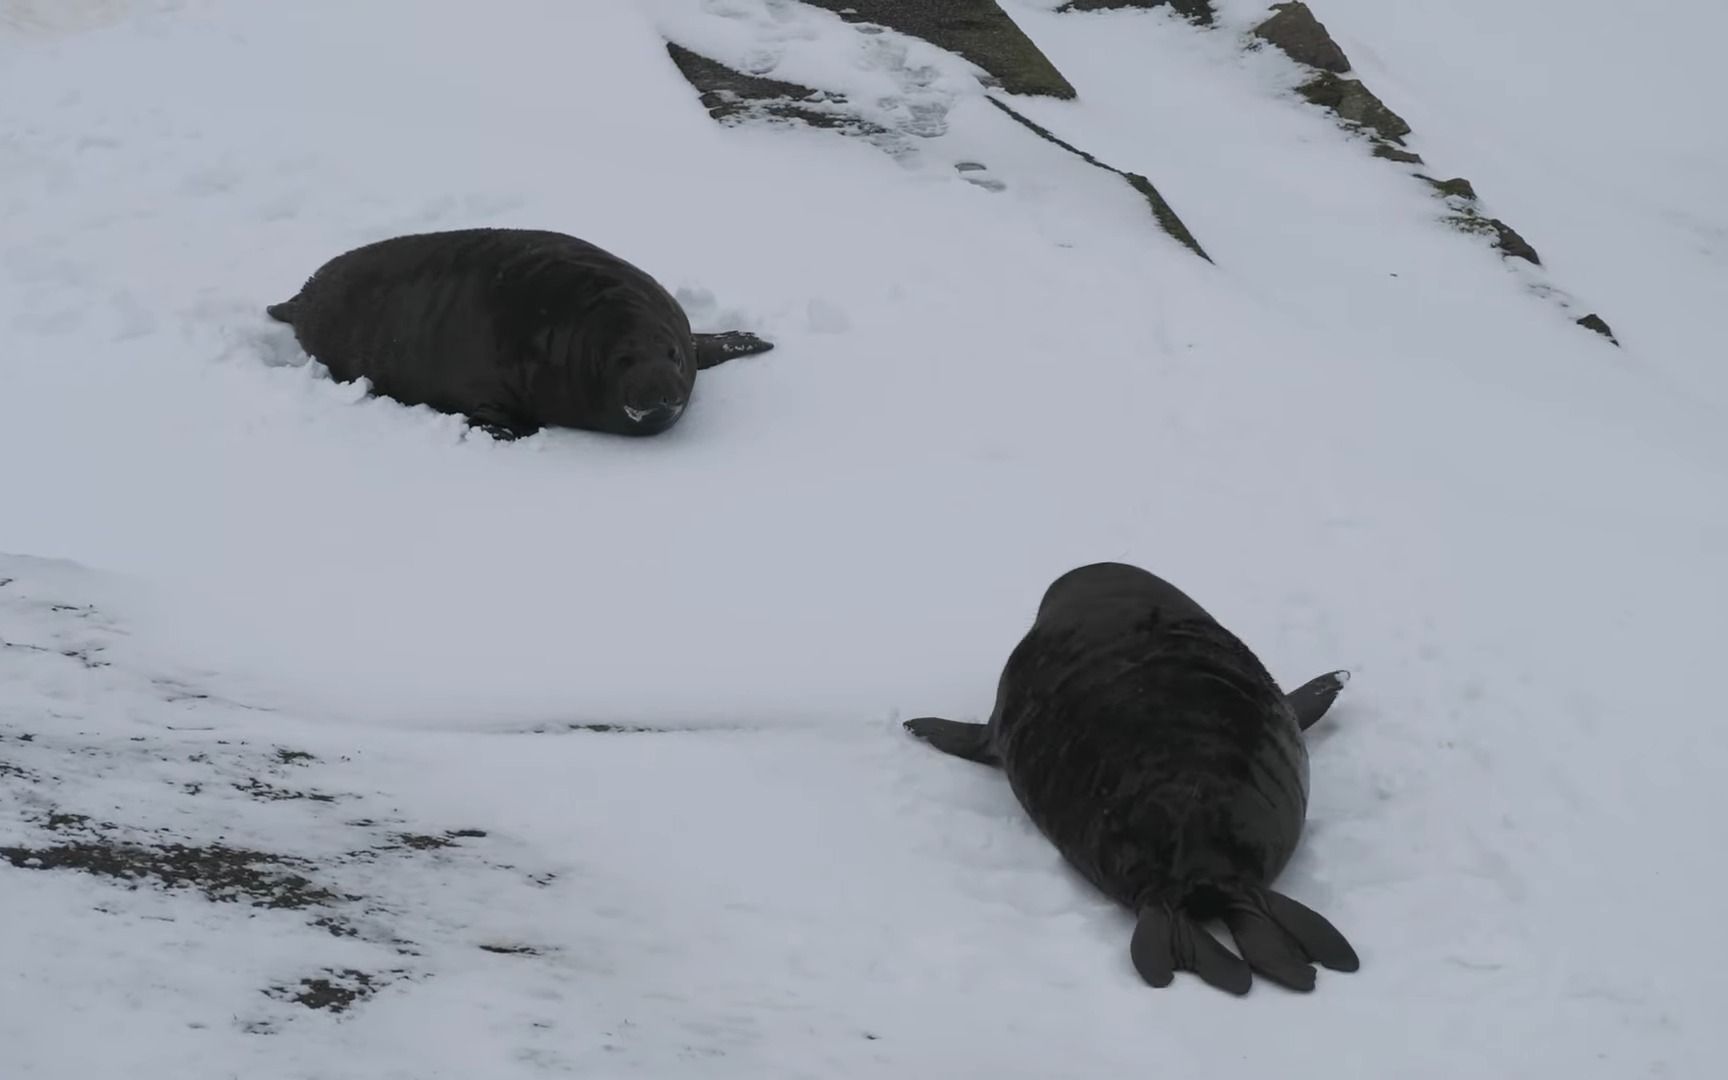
(516, 329)
(1160, 758)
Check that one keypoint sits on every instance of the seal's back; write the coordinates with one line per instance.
(1150, 745)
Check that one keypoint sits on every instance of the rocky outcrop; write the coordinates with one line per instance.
(732, 96)
(1460, 196)
(978, 30)
(1199, 11)
(1594, 322)
(1294, 29)
(1355, 103)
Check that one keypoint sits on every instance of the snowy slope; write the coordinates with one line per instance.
(1357, 438)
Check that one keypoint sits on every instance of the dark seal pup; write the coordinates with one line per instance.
(516, 329)
(1152, 748)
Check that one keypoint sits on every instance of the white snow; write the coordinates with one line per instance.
(1359, 437)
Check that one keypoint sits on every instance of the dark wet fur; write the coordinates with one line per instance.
(1151, 747)
(516, 329)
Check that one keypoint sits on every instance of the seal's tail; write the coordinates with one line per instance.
(283, 312)
(1277, 937)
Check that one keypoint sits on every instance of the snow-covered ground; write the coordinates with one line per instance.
(340, 653)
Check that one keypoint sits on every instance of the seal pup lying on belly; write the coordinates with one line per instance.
(516, 329)
(1161, 759)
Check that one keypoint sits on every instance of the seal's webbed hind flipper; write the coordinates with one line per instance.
(1267, 948)
(1166, 941)
(969, 741)
(1279, 937)
(715, 349)
(1318, 938)
(1314, 697)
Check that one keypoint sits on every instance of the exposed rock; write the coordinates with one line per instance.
(1455, 188)
(1356, 103)
(223, 874)
(1594, 322)
(1511, 243)
(1392, 153)
(1468, 220)
(337, 990)
(978, 30)
(731, 96)
(426, 842)
(1199, 11)
(1161, 210)
(1294, 29)
(1505, 237)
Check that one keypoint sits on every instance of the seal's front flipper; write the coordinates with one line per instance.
(1166, 941)
(1279, 937)
(501, 424)
(969, 741)
(1314, 697)
(714, 349)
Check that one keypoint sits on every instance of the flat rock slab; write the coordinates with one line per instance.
(733, 96)
(978, 30)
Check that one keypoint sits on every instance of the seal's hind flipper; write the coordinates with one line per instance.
(1318, 938)
(1267, 948)
(715, 349)
(283, 312)
(1314, 697)
(1167, 941)
(969, 741)
(1279, 937)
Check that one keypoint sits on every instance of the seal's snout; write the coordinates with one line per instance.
(652, 397)
(662, 413)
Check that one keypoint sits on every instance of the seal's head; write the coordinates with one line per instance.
(1087, 591)
(650, 393)
(615, 374)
